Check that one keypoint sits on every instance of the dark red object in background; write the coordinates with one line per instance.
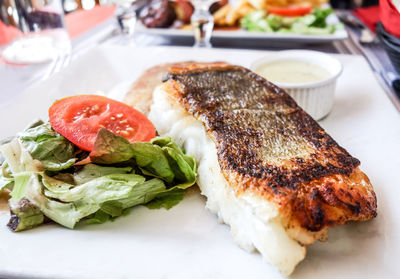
(369, 16)
(386, 12)
(390, 17)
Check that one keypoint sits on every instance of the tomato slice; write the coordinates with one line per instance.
(79, 118)
(290, 10)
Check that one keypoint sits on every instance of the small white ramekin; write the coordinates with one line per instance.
(316, 98)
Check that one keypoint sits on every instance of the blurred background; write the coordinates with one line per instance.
(361, 27)
(73, 5)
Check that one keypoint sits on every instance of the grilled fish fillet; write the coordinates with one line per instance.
(266, 167)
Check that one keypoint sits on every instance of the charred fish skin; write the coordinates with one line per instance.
(140, 94)
(267, 168)
(269, 145)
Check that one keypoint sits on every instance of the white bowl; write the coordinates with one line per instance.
(316, 98)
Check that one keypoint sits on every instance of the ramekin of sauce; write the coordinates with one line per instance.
(308, 76)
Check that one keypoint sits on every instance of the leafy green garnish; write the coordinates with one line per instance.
(44, 144)
(314, 23)
(152, 160)
(167, 199)
(6, 178)
(38, 168)
(141, 194)
(92, 171)
(256, 21)
(160, 158)
(320, 17)
(99, 217)
(21, 182)
(5, 183)
(96, 191)
(110, 148)
(24, 215)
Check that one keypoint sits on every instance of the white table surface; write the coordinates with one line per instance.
(187, 241)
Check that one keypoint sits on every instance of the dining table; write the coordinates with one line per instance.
(105, 59)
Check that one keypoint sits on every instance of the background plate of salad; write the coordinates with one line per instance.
(249, 21)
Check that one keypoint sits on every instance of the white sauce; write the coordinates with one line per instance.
(292, 71)
(254, 221)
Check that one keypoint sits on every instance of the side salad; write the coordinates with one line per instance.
(314, 23)
(61, 172)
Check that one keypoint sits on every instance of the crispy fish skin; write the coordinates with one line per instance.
(268, 145)
(140, 93)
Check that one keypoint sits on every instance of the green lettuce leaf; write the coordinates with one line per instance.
(183, 166)
(167, 199)
(110, 148)
(320, 17)
(44, 144)
(141, 194)
(21, 183)
(274, 21)
(98, 190)
(65, 214)
(152, 160)
(18, 159)
(314, 23)
(24, 215)
(6, 178)
(99, 217)
(256, 21)
(92, 171)
(6, 183)
(160, 158)
(113, 208)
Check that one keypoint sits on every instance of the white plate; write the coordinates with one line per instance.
(241, 34)
(187, 241)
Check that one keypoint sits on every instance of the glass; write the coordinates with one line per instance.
(38, 30)
(202, 22)
(127, 16)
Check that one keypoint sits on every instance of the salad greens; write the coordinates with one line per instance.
(6, 178)
(24, 215)
(44, 144)
(314, 23)
(39, 168)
